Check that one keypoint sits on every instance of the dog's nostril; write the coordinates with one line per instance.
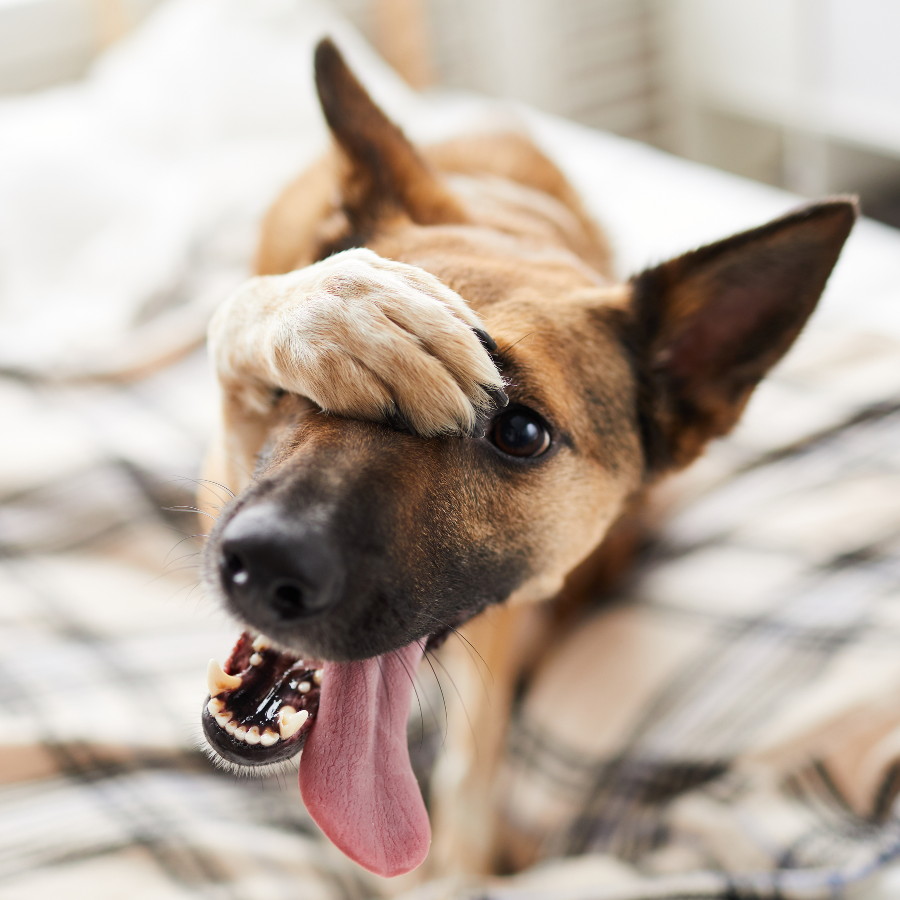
(235, 568)
(289, 594)
(289, 601)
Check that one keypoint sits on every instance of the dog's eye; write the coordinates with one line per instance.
(520, 432)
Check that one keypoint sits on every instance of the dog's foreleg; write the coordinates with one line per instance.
(358, 336)
(485, 664)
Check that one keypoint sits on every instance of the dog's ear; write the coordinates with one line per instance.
(710, 324)
(382, 174)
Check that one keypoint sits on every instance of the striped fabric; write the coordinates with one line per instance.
(736, 710)
(738, 707)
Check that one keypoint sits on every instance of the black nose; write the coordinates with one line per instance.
(272, 565)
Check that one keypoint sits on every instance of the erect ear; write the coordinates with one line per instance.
(711, 323)
(382, 174)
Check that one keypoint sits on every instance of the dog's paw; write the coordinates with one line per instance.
(363, 337)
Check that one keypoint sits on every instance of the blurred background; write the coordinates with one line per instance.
(801, 94)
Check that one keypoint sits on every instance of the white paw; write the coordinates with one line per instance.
(362, 337)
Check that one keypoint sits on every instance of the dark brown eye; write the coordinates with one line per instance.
(520, 432)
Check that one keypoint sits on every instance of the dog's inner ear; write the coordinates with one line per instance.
(711, 323)
(381, 174)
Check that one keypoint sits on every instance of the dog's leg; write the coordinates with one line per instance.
(358, 336)
(485, 664)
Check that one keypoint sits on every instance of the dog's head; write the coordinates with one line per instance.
(360, 537)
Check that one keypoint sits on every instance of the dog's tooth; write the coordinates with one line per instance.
(255, 660)
(284, 715)
(215, 706)
(253, 736)
(261, 643)
(304, 687)
(218, 680)
(223, 719)
(241, 732)
(317, 676)
(269, 737)
(290, 721)
(231, 727)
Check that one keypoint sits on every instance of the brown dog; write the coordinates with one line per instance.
(400, 471)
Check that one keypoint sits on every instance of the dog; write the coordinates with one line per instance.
(439, 413)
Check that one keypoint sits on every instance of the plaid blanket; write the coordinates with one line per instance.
(729, 727)
(739, 708)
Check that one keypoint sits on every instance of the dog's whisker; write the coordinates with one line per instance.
(387, 691)
(509, 347)
(462, 701)
(190, 589)
(184, 568)
(207, 481)
(189, 509)
(434, 716)
(186, 488)
(182, 558)
(466, 641)
(474, 649)
(443, 697)
(192, 584)
(186, 538)
(184, 534)
(458, 633)
(418, 698)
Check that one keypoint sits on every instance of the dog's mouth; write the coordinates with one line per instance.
(262, 704)
(349, 719)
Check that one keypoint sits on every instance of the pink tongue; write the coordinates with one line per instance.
(355, 775)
